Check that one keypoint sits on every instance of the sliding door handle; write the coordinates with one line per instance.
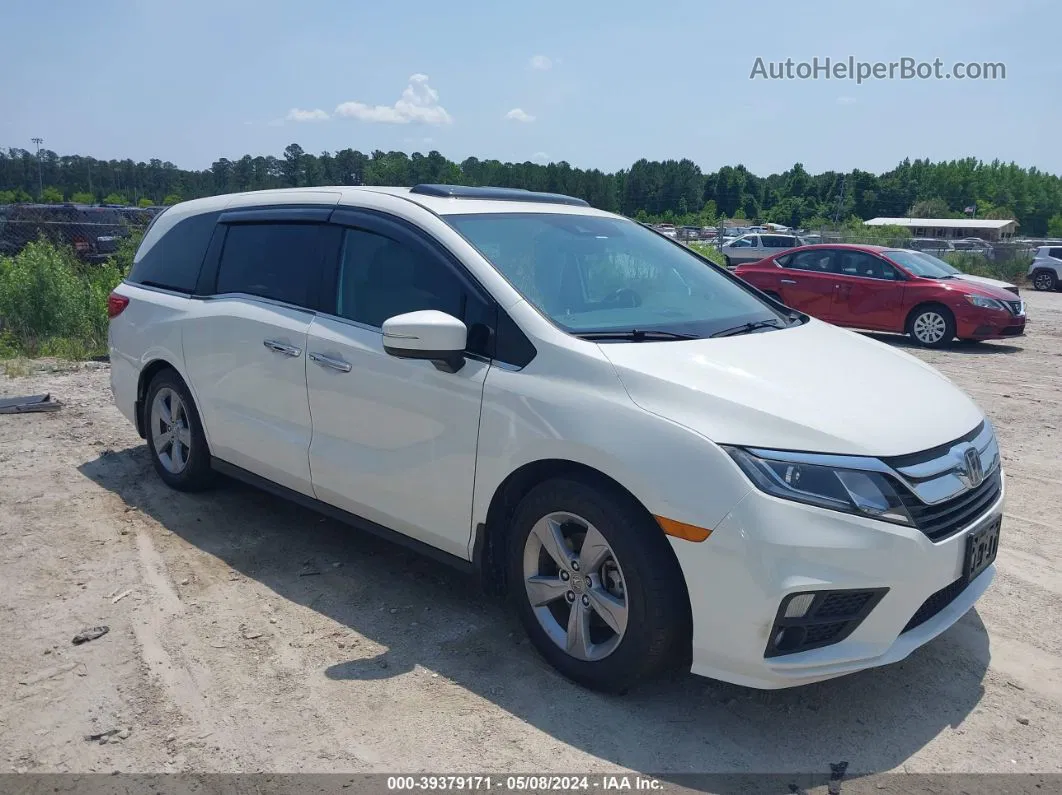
(280, 347)
(328, 361)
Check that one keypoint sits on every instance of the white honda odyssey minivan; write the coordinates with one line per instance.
(657, 463)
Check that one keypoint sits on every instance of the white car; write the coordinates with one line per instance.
(660, 465)
(1045, 272)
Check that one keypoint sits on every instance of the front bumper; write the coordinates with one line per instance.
(767, 548)
(988, 324)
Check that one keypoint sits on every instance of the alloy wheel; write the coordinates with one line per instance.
(1043, 281)
(171, 435)
(575, 586)
(929, 328)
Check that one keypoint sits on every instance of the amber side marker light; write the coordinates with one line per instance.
(687, 532)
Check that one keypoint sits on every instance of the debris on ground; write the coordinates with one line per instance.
(121, 596)
(29, 403)
(85, 635)
(102, 737)
(1023, 721)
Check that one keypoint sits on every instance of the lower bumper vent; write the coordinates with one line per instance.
(815, 619)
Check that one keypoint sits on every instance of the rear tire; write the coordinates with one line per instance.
(932, 326)
(729, 264)
(614, 611)
(1044, 281)
(175, 435)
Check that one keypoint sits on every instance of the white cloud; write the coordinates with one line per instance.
(518, 114)
(541, 62)
(298, 114)
(418, 103)
(540, 157)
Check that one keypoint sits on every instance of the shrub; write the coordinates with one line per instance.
(1010, 268)
(52, 304)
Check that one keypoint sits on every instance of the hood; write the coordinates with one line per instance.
(813, 388)
(984, 281)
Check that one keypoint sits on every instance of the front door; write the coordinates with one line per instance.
(394, 440)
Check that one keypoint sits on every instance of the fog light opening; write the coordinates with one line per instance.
(789, 638)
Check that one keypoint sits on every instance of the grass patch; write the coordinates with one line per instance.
(709, 252)
(54, 305)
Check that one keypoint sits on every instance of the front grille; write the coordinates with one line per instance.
(1014, 307)
(946, 518)
(935, 603)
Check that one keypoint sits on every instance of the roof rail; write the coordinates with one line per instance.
(496, 194)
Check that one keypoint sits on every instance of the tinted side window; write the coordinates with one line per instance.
(777, 241)
(857, 263)
(172, 259)
(280, 261)
(1056, 253)
(817, 261)
(380, 278)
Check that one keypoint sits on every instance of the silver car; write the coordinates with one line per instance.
(754, 247)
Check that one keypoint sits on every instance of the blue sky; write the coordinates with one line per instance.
(596, 83)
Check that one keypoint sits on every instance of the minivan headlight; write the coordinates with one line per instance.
(856, 491)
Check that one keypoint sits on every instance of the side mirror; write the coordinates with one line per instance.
(428, 334)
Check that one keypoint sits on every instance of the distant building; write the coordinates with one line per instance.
(952, 228)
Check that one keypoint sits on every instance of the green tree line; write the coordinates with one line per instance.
(675, 190)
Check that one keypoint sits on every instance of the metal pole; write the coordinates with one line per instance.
(40, 175)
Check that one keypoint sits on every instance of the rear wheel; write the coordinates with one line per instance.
(729, 264)
(175, 434)
(932, 326)
(1044, 281)
(596, 584)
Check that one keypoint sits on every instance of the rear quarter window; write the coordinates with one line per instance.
(1056, 253)
(172, 254)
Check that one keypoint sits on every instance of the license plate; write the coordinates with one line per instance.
(981, 549)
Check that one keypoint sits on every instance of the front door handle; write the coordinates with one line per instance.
(788, 281)
(280, 347)
(328, 361)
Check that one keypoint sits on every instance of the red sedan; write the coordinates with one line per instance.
(887, 289)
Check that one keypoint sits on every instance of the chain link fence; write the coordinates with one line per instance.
(94, 233)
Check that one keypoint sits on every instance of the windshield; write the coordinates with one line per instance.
(921, 264)
(594, 274)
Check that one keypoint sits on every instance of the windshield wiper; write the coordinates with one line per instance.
(635, 335)
(746, 328)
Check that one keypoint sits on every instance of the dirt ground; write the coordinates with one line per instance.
(247, 634)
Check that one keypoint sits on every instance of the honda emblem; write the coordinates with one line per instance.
(973, 471)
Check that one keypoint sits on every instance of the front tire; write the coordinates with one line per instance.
(596, 584)
(175, 435)
(1044, 281)
(932, 326)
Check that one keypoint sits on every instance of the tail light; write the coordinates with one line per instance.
(116, 304)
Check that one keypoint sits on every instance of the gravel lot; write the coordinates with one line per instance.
(252, 635)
